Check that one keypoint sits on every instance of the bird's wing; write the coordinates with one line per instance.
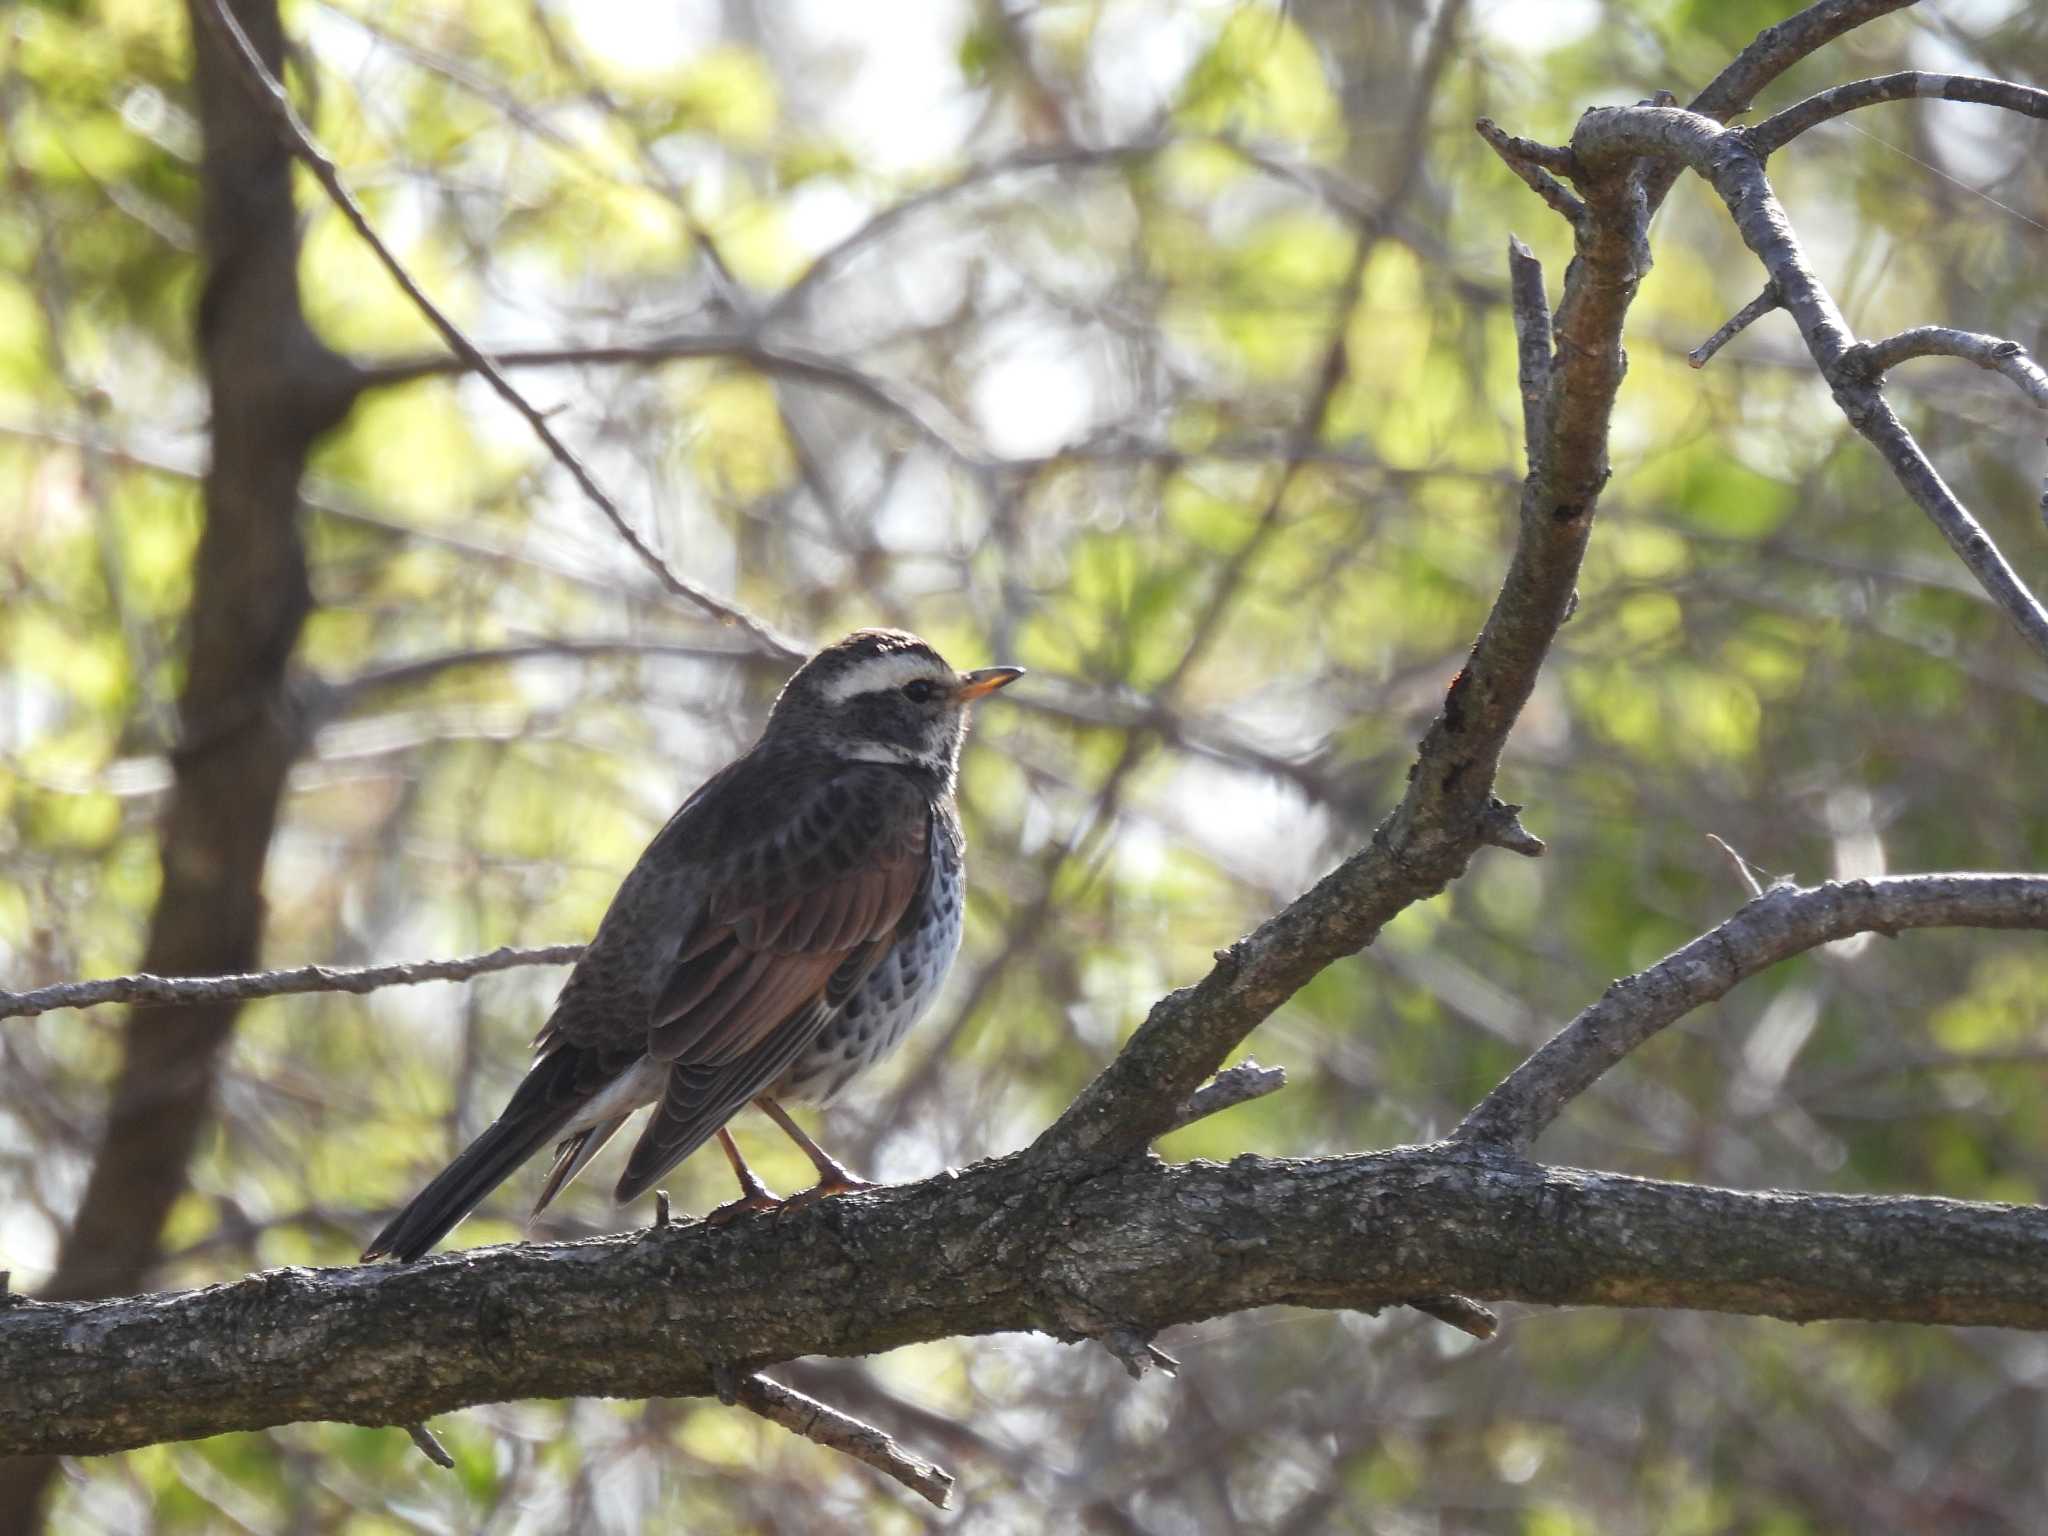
(837, 877)
(790, 928)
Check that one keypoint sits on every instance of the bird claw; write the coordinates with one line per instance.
(824, 1189)
(754, 1200)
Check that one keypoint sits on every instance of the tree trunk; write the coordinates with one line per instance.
(274, 387)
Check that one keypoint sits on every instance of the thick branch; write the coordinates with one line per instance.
(1449, 811)
(1783, 921)
(1002, 1247)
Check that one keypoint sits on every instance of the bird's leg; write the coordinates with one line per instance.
(754, 1195)
(833, 1179)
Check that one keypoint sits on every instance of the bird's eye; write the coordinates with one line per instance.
(921, 690)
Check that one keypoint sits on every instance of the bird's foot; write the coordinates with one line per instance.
(754, 1196)
(841, 1184)
(732, 1210)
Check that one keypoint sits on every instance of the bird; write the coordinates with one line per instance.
(779, 936)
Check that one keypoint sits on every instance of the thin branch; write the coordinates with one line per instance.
(1449, 810)
(1228, 1089)
(1741, 321)
(1770, 54)
(1532, 335)
(1785, 920)
(1616, 138)
(1988, 352)
(1781, 128)
(1316, 180)
(328, 501)
(430, 1447)
(146, 989)
(1533, 162)
(827, 1426)
(1461, 1313)
(1501, 827)
(1006, 1245)
(271, 99)
(420, 670)
(746, 347)
(1745, 871)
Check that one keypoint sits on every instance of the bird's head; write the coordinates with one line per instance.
(883, 696)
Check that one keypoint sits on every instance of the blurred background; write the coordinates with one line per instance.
(1003, 321)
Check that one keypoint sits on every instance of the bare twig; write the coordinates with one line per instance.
(271, 99)
(430, 1448)
(1744, 870)
(1461, 1313)
(419, 670)
(1988, 352)
(1615, 138)
(1136, 1353)
(1781, 128)
(1772, 52)
(146, 989)
(1741, 321)
(827, 1426)
(1314, 179)
(926, 417)
(1783, 921)
(1501, 827)
(1532, 336)
(1533, 163)
(1228, 1089)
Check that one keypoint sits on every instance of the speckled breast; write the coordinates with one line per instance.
(895, 995)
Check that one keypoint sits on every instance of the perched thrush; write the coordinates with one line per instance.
(777, 937)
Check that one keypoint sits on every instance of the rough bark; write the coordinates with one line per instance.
(1013, 1244)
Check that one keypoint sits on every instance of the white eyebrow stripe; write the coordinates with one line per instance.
(877, 673)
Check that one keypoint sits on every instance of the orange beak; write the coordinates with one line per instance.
(974, 685)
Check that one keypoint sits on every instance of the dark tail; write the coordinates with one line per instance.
(535, 1117)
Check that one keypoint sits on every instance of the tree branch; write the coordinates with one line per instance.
(1533, 163)
(1228, 1089)
(1781, 128)
(804, 1415)
(746, 347)
(1615, 138)
(1770, 54)
(1533, 347)
(1449, 811)
(1992, 353)
(1736, 324)
(1783, 921)
(1004, 1246)
(148, 989)
(270, 99)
